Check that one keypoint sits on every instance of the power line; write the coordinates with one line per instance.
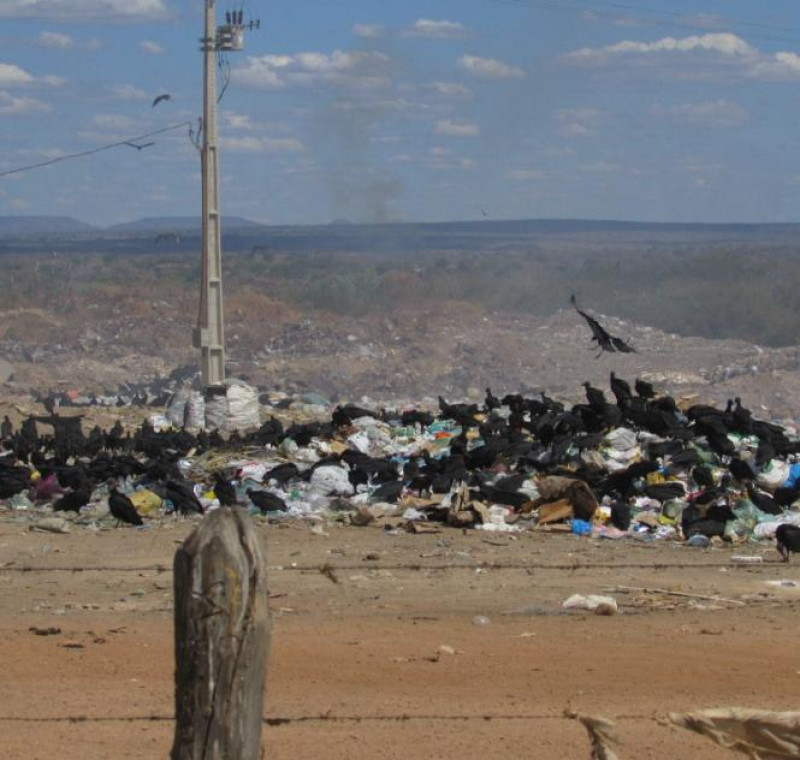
(656, 17)
(92, 151)
(679, 15)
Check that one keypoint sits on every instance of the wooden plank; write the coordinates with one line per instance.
(221, 640)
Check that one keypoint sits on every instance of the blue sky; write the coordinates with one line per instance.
(412, 111)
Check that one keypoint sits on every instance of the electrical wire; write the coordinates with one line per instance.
(224, 66)
(671, 19)
(685, 17)
(92, 151)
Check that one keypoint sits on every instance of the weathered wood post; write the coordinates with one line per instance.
(221, 640)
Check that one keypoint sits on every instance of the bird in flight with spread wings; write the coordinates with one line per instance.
(605, 340)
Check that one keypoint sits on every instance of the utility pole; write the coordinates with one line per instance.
(209, 335)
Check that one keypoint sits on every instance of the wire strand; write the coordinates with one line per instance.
(656, 18)
(92, 151)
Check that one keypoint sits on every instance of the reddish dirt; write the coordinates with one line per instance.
(355, 667)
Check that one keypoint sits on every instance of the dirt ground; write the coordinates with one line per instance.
(356, 668)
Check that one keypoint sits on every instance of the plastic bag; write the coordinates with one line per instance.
(195, 410)
(581, 527)
(331, 480)
(177, 407)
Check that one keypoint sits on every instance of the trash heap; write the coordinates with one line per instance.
(641, 466)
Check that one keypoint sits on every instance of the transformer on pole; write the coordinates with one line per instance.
(209, 335)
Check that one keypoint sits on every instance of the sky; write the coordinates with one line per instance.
(416, 111)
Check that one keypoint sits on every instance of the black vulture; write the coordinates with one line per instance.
(266, 501)
(182, 496)
(644, 389)
(620, 389)
(73, 501)
(121, 507)
(605, 341)
(788, 539)
(491, 402)
(224, 490)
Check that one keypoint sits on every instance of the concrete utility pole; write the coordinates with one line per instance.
(209, 336)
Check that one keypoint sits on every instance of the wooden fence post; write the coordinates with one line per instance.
(221, 640)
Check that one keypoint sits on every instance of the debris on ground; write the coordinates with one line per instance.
(640, 466)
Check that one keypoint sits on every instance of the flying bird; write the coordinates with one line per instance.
(159, 98)
(605, 340)
(138, 147)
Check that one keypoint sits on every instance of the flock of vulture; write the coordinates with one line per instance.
(495, 448)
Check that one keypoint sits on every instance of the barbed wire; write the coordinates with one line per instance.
(418, 566)
(284, 720)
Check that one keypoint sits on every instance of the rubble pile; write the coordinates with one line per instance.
(640, 466)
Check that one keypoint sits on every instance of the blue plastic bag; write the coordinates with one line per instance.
(794, 476)
(581, 527)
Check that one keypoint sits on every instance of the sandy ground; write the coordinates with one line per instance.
(356, 668)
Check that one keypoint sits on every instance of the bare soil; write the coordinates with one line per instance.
(356, 666)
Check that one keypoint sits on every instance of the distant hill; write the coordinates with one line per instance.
(179, 224)
(23, 226)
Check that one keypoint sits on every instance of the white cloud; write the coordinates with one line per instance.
(442, 163)
(262, 144)
(714, 113)
(369, 31)
(11, 75)
(426, 27)
(128, 92)
(728, 52)
(725, 44)
(777, 67)
(582, 115)
(379, 105)
(525, 175)
(450, 89)
(608, 167)
(14, 106)
(14, 76)
(576, 129)
(456, 129)
(693, 166)
(151, 48)
(82, 10)
(112, 121)
(489, 68)
(359, 68)
(46, 153)
(237, 120)
(55, 41)
(579, 122)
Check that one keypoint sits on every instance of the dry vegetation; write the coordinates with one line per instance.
(444, 311)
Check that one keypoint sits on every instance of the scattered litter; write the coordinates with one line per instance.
(51, 525)
(600, 605)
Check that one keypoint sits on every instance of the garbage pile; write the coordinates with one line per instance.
(638, 466)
